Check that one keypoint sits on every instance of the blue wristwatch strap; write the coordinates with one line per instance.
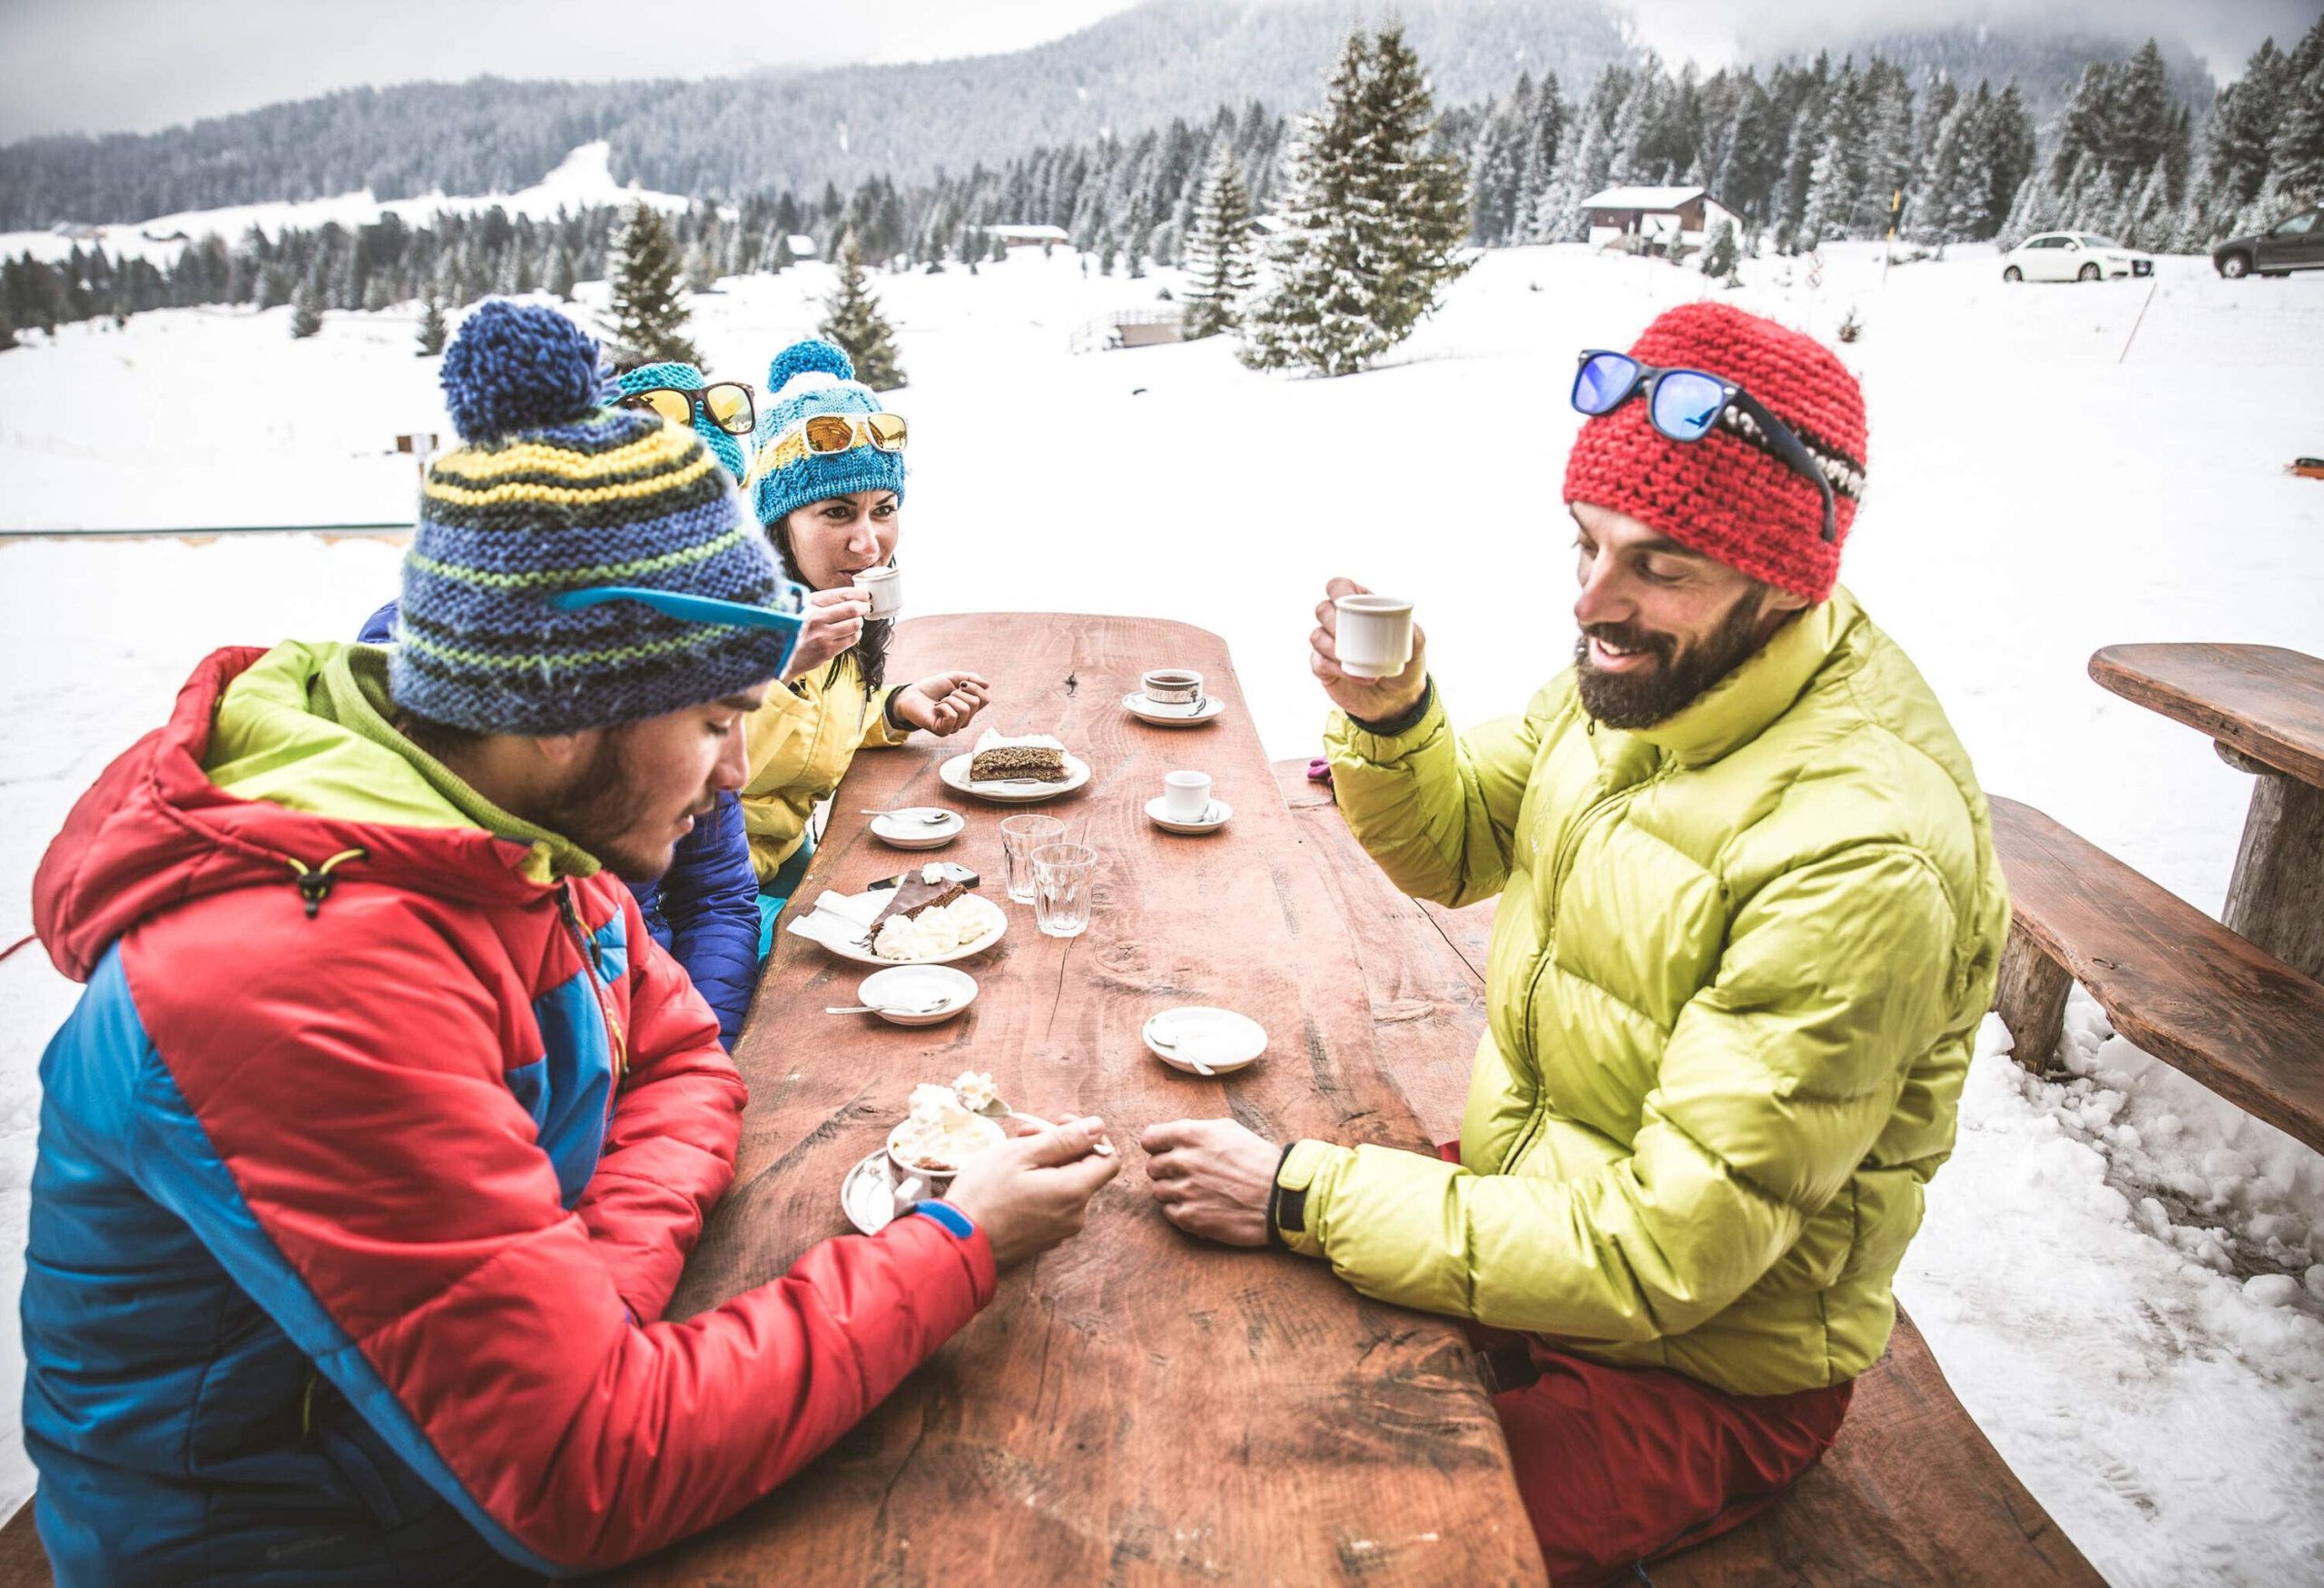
(949, 1217)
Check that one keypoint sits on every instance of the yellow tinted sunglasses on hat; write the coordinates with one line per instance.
(820, 435)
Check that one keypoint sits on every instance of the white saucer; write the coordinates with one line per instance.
(1169, 715)
(913, 985)
(904, 829)
(1223, 1040)
(954, 775)
(867, 1195)
(848, 941)
(1214, 816)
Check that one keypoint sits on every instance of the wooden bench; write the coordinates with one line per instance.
(2181, 986)
(1912, 1492)
(22, 1563)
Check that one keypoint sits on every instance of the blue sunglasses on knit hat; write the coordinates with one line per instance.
(786, 618)
(1685, 405)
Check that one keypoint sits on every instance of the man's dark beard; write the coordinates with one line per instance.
(600, 805)
(1625, 701)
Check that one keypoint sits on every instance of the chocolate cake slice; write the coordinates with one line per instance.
(1033, 757)
(925, 887)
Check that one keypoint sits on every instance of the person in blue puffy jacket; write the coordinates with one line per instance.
(705, 908)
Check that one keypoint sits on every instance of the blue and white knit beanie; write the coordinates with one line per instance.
(814, 377)
(551, 491)
(726, 448)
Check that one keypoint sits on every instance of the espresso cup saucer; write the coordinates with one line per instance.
(1214, 816)
(1171, 713)
(868, 1195)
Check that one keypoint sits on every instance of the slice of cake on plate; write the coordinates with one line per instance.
(926, 887)
(1030, 757)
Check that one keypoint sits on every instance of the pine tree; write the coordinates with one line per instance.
(645, 321)
(1376, 223)
(562, 276)
(1718, 252)
(1218, 251)
(432, 329)
(307, 306)
(2296, 153)
(852, 318)
(7, 331)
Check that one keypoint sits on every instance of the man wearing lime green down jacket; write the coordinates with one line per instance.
(1749, 921)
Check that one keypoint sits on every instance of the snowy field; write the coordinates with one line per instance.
(2119, 1274)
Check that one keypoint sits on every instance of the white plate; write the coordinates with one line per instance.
(913, 985)
(1171, 717)
(1218, 813)
(864, 956)
(867, 1195)
(904, 829)
(955, 776)
(1220, 1037)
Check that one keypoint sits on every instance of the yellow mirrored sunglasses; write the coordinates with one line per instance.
(725, 403)
(819, 435)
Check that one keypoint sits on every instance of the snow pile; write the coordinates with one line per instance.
(2114, 1268)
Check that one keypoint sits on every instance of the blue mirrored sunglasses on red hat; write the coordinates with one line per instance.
(1685, 405)
(786, 618)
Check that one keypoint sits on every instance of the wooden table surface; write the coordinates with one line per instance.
(1136, 1405)
(2264, 701)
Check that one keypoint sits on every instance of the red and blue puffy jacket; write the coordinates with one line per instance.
(369, 1162)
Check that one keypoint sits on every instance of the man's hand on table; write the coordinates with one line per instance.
(941, 705)
(1033, 1192)
(1212, 1178)
(1370, 700)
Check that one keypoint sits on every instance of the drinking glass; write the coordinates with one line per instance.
(1019, 837)
(1065, 876)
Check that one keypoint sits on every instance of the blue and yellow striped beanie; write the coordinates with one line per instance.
(807, 378)
(553, 491)
(726, 448)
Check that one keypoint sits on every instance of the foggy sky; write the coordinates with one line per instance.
(104, 66)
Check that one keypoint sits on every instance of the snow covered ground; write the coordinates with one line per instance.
(2116, 1272)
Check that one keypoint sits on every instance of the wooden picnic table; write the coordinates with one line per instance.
(2263, 707)
(1137, 1405)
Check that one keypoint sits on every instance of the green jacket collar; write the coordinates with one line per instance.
(1741, 706)
(306, 727)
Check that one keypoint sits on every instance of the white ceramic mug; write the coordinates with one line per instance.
(885, 586)
(1172, 685)
(1375, 635)
(1186, 795)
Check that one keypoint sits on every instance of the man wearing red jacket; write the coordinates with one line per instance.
(372, 1153)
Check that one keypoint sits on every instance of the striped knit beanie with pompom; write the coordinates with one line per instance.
(551, 490)
(1727, 496)
(814, 377)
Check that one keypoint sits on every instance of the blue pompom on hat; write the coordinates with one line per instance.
(677, 377)
(550, 492)
(814, 377)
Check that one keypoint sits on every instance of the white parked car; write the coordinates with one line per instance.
(2072, 256)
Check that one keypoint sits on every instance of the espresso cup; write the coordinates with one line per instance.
(885, 586)
(1375, 635)
(915, 1178)
(1186, 795)
(1172, 686)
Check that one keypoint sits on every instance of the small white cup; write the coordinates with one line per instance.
(1172, 685)
(1375, 635)
(885, 586)
(1186, 795)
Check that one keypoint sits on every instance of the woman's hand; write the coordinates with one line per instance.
(943, 705)
(835, 622)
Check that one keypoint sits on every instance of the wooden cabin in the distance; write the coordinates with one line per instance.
(1654, 217)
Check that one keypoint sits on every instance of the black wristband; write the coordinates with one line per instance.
(1404, 722)
(888, 710)
(1274, 1199)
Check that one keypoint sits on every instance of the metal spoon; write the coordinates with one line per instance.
(887, 1008)
(1200, 1068)
(932, 818)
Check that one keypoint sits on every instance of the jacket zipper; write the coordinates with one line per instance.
(592, 965)
(1572, 844)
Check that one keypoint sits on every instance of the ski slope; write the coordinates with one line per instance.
(2119, 1274)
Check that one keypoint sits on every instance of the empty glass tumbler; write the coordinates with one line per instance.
(1019, 837)
(1065, 876)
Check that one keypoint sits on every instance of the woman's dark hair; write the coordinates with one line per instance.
(871, 652)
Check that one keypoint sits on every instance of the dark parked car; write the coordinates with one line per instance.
(2293, 244)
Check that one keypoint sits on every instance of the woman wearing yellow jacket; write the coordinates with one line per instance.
(827, 481)
(1749, 921)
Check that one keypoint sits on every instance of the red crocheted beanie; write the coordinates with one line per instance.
(1724, 495)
